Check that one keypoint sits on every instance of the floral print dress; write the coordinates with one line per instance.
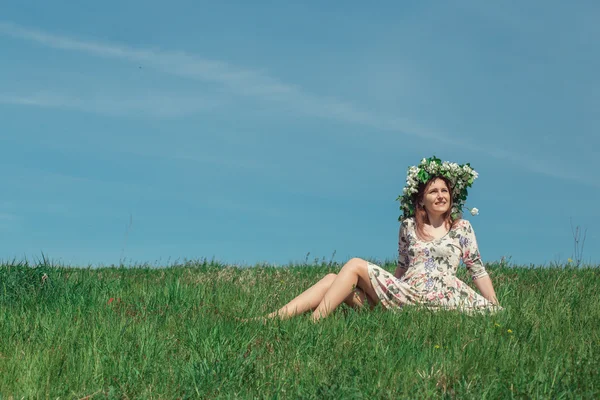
(429, 271)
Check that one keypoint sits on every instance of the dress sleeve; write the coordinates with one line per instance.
(402, 249)
(470, 252)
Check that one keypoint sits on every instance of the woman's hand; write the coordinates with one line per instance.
(400, 270)
(485, 287)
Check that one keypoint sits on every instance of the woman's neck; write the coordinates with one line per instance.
(436, 221)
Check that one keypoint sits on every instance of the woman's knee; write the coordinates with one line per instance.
(356, 265)
(328, 279)
(356, 260)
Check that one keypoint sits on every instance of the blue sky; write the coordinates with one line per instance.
(260, 131)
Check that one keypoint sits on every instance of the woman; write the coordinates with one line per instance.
(433, 239)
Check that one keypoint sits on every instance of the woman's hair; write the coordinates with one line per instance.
(421, 217)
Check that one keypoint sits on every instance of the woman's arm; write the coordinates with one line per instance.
(400, 271)
(472, 260)
(402, 252)
(485, 287)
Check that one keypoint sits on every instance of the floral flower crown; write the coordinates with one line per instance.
(461, 177)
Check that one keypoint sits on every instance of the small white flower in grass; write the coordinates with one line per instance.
(474, 211)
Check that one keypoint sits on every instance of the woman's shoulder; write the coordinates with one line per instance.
(462, 224)
(407, 222)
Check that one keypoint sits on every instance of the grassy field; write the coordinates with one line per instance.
(172, 333)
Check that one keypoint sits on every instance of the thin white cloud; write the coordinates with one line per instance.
(245, 82)
(157, 105)
(541, 167)
(8, 217)
(241, 81)
(39, 100)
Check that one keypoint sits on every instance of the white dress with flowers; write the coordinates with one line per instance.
(430, 271)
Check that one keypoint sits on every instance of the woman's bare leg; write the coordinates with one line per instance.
(305, 301)
(353, 274)
(312, 297)
(358, 299)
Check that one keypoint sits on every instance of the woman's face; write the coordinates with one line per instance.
(436, 198)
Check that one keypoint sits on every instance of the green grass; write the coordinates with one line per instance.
(171, 333)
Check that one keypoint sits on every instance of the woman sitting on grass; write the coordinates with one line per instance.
(433, 239)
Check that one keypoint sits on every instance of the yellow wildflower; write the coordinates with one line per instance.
(437, 346)
(569, 260)
(509, 331)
